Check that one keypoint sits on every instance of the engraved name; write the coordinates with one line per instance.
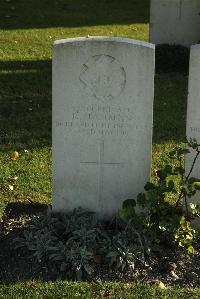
(99, 120)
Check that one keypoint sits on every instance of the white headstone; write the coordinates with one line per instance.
(175, 22)
(102, 122)
(193, 112)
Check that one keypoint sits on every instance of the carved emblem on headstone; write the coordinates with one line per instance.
(103, 77)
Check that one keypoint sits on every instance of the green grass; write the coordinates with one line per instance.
(70, 290)
(26, 124)
(27, 31)
(28, 28)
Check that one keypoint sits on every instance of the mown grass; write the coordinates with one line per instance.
(26, 125)
(57, 290)
(27, 31)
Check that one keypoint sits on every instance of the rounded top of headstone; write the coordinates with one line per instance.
(104, 39)
(196, 46)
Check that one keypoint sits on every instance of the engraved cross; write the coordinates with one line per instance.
(101, 163)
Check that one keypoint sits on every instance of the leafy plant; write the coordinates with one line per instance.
(164, 222)
(76, 242)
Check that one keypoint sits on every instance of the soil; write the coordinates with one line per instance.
(166, 267)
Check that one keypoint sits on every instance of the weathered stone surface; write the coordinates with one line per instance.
(175, 22)
(102, 122)
(193, 112)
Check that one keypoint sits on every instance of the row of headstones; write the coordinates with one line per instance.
(103, 90)
(175, 22)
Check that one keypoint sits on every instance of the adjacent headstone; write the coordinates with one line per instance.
(193, 113)
(175, 22)
(102, 122)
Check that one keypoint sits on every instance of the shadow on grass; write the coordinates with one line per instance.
(18, 209)
(170, 104)
(25, 99)
(25, 14)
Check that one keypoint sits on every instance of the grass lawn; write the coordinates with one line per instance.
(98, 290)
(27, 31)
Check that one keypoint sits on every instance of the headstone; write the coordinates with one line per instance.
(193, 113)
(102, 122)
(175, 22)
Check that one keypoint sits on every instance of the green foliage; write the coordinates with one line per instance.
(164, 222)
(26, 41)
(75, 243)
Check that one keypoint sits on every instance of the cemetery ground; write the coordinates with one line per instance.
(27, 31)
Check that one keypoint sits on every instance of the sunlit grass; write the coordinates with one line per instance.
(57, 290)
(25, 84)
(27, 31)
